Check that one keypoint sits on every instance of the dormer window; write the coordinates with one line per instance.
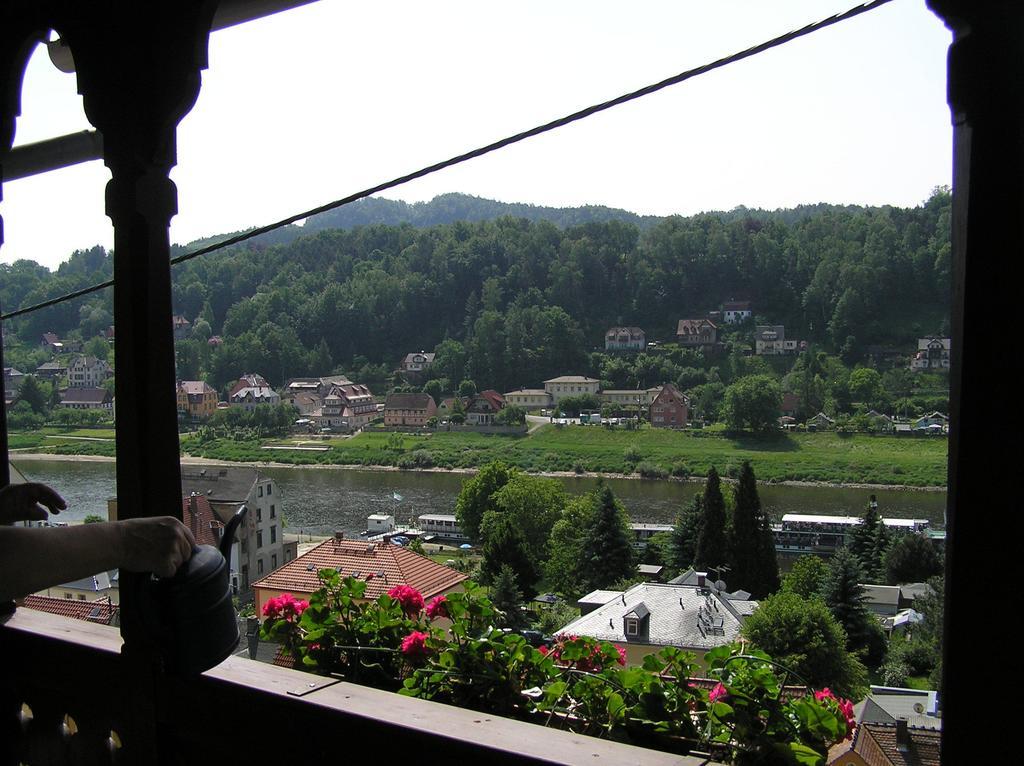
(632, 626)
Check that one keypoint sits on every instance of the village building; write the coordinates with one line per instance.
(483, 407)
(627, 401)
(696, 333)
(770, 340)
(260, 537)
(625, 339)
(51, 343)
(381, 566)
(409, 409)
(87, 399)
(51, 370)
(181, 327)
(87, 372)
(932, 355)
(347, 407)
(650, 616)
(734, 312)
(197, 399)
(252, 390)
(670, 408)
(529, 398)
(101, 611)
(571, 385)
(416, 363)
(12, 379)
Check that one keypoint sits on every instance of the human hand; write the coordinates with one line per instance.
(159, 545)
(25, 502)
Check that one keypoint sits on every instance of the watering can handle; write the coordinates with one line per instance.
(229, 532)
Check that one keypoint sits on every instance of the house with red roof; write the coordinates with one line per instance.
(483, 407)
(381, 566)
(101, 611)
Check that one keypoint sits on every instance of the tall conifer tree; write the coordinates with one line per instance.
(754, 565)
(712, 545)
(606, 552)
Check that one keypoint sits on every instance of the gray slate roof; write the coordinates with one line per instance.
(225, 485)
(678, 615)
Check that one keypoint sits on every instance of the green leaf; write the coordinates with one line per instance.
(805, 755)
(615, 705)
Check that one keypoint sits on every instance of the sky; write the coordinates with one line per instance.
(312, 104)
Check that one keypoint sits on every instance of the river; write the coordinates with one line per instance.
(321, 501)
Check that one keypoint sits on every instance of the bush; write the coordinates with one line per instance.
(651, 471)
(420, 458)
(681, 470)
(632, 454)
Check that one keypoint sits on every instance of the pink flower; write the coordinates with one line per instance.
(622, 655)
(414, 646)
(438, 607)
(272, 608)
(543, 649)
(409, 598)
(718, 692)
(844, 706)
(286, 606)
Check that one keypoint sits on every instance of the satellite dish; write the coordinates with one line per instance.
(720, 585)
(919, 708)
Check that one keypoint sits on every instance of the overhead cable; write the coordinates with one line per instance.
(501, 144)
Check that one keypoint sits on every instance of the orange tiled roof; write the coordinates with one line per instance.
(381, 565)
(875, 743)
(199, 517)
(100, 610)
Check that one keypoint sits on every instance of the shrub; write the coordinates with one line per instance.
(681, 470)
(632, 454)
(651, 471)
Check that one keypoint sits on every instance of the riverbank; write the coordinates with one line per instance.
(195, 460)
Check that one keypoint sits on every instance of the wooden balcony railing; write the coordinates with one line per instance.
(68, 696)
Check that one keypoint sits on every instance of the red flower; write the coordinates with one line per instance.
(844, 706)
(718, 692)
(410, 599)
(438, 607)
(414, 646)
(622, 655)
(286, 606)
(543, 649)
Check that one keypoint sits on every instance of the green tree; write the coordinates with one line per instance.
(510, 415)
(436, 388)
(32, 392)
(685, 533)
(912, 558)
(561, 569)
(93, 518)
(97, 347)
(869, 542)
(712, 544)
(507, 598)
(532, 504)
(803, 635)
(844, 595)
(806, 576)
(753, 403)
(752, 544)
(865, 385)
(506, 547)
(606, 550)
(474, 498)
(467, 388)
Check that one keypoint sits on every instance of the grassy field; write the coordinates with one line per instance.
(821, 457)
(818, 457)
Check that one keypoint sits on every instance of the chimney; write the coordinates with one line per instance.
(902, 736)
(701, 579)
(339, 535)
(194, 515)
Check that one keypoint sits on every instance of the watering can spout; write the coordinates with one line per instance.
(229, 533)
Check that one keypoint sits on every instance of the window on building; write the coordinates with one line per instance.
(273, 512)
(270, 489)
(632, 627)
(273, 561)
(259, 491)
(259, 566)
(259, 513)
(273, 535)
(259, 538)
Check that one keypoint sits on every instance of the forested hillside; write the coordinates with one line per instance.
(522, 300)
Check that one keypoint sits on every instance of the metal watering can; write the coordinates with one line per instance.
(190, 615)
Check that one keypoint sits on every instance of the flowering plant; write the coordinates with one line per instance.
(745, 715)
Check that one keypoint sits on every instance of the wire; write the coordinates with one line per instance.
(487, 149)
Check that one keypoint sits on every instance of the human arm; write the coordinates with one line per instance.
(32, 558)
(28, 502)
